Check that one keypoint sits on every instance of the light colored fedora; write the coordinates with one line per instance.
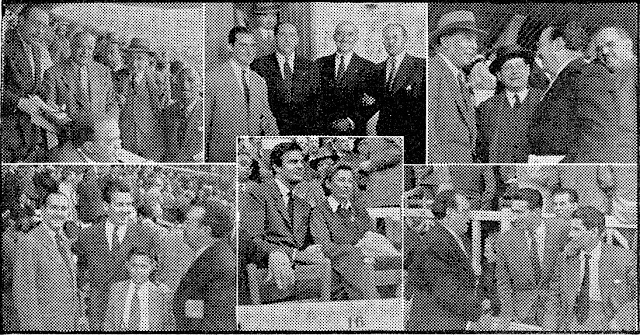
(452, 21)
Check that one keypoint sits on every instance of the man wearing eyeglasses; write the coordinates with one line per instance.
(236, 100)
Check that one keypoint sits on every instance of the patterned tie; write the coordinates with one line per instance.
(290, 206)
(245, 87)
(535, 260)
(134, 316)
(61, 247)
(581, 308)
(392, 73)
(517, 104)
(288, 79)
(340, 69)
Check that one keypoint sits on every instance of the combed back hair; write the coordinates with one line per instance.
(114, 185)
(275, 158)
(591, 217)
(135, 251)
(573, 34)
(217, 216)
(335, 170)
(235, 31)
(571, 192)
(531, 196)
(443, 200)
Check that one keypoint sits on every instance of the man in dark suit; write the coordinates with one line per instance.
(23, 141)
(504, 118)
(103, 247)
(576, 115)
(278, 221)
(402, 95)
(266, 14)
(526, 256)
(205, 299)
(445, 297)
(287, 77)
(344, 86)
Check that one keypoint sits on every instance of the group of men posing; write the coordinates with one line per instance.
(79, 110)
(555, 273)
(284, 93)
(585, 111)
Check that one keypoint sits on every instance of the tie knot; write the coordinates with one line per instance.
(587, 257)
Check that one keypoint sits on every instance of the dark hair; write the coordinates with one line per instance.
(136, 251)
(217, 216)
(26, 10)
(573, 34)
(591, 217)
(275, 158)
(335, 170)
(531, 196)
(114, 185)
(235, 31)
(442, 201)
(571, 192)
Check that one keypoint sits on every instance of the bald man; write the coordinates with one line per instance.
(345, 82)
(614, 47)
(287, 77)
(79, 86)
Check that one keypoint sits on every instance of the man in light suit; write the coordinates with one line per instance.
(402, 95)
(287, 77)
(592, 280)
(452, 130)
(205, 300)
(344, 86)
(102, 248)
(82, 86)
(143, 99)
(445, 297)
(526, 256)
(576, 117)
(45, 288)
(139, 303)
(236, 100)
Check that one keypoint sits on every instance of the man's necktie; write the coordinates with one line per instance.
(83, 86)
(115, 241)
(517, 104)
(288, 78)
(290, 207)
(535, 260)
(134, 315)
(340, 69)
(245, 87)
(61, 247)
(392, 73)
(581, 308)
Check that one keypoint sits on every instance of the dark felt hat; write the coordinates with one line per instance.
(504, 53)
(454, 21)
(138, 44)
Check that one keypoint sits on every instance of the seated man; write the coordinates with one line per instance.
(138, 304)
(100, 144)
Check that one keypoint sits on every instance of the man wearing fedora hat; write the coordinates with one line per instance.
(451, 126)
(143, 100)
(504, 118)
(266, 17)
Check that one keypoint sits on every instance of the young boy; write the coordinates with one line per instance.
(138, 304)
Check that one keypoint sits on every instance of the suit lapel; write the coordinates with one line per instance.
(276, 197)
(455, 90)
(155, 303)
(53, 251)
(402, 76)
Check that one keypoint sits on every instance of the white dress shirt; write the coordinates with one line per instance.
(284, 191)
(143, 300)
(122, 230)
(398, 60)
(84, 78)
(282, 60)
(539, 234)
(511, 96)
(347, 60)
(334, 204)
(594, 275)
(237, 69)
(266, 33)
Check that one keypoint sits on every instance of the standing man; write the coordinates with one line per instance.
(504, 118)
(593, 280)
(236, 100)
(565, 202)
(445, 297)
(144, 100)
(205, 299)
(576, 116)
(402, 97)
(452, 130)
(45, 289)
(183, 120)
(103, 247)
(344, 86)
(267, 18)
(287, 77)
(525, 258)
(80, 86)
(23, 141)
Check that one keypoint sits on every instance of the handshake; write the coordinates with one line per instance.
(281, 267)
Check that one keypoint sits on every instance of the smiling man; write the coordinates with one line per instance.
(504, 118)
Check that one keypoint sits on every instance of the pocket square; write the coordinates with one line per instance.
(617, 281)
(194, 309)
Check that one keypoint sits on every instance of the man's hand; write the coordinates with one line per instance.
(311, 255)
(280, 270)
(368, 100)
(29, 105)
(342, 125)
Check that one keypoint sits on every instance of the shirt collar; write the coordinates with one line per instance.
(284, 190)
(399, 58)
(143, 286)
(595, 253)
(200, 251)
(281, 58)
(522, 95)
(540, 230)
(334, 204)
(347, 57)
(454, 69)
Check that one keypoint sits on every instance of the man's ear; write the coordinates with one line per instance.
(229, 47)
(558, 43)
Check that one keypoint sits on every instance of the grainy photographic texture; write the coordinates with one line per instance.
(320, 233)
(532, 82)
(320, 68)
(123, 248)
(102, 82)
(503, 247)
